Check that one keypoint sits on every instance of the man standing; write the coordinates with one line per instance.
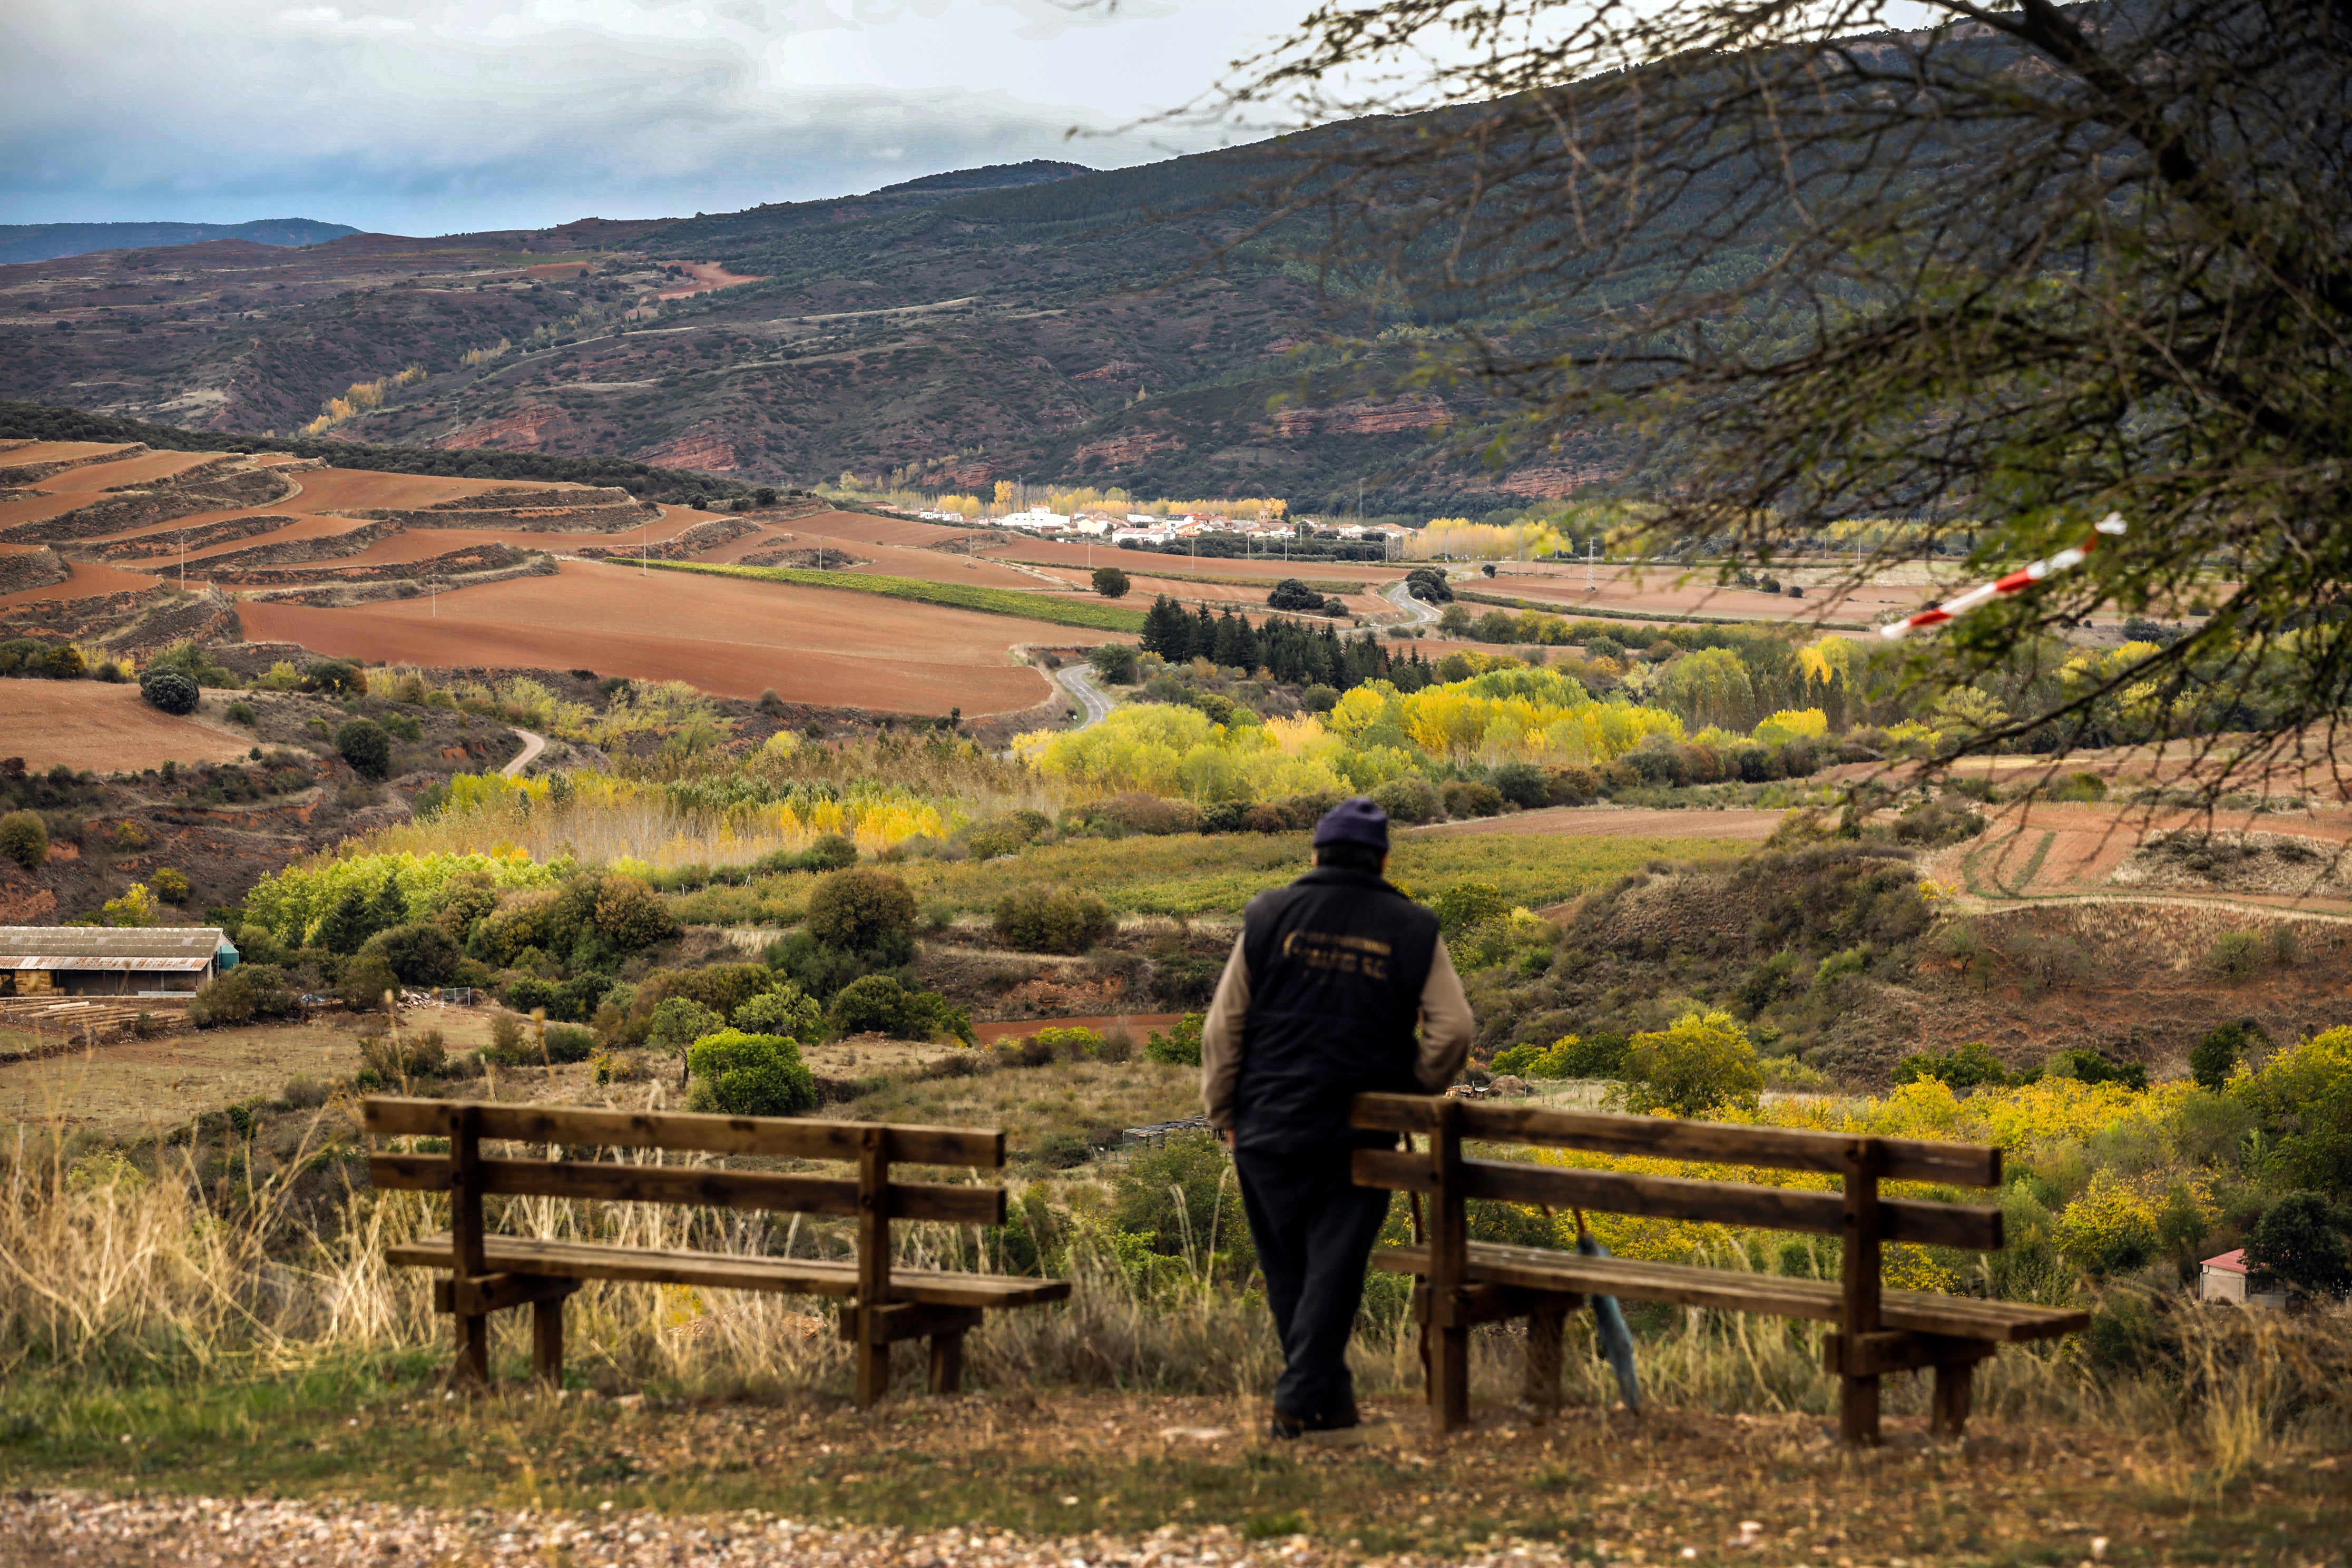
(1317, 1005)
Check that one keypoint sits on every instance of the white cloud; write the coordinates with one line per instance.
(431, 115)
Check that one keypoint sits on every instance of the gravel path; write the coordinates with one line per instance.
(38, 1530)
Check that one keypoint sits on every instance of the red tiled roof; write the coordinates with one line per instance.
(2235, 1262)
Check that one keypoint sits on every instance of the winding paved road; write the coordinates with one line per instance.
(1079, 682)
(1421, 612)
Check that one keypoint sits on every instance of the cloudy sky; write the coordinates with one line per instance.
(439, 116)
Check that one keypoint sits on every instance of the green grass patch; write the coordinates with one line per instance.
(953, 596)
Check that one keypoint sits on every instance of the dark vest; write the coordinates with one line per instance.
(1336, 962)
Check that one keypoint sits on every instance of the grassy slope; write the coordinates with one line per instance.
(1187, 875)
(957, 596)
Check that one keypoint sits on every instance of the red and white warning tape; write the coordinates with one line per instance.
(2017, 581)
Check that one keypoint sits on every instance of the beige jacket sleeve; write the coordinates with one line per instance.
(1446, 1030)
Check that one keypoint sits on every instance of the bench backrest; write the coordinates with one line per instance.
(1446, 1119)
(870, 1196)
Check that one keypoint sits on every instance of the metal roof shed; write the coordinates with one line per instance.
(90, 960)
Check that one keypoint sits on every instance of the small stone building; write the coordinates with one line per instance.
(89, 961)
(2224, 1278)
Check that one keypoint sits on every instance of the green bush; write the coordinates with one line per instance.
(1464, 798)
(365, 979)
(879, 1004)
(1522, 784)
(864, 912)
(679, 1022)
(413, 1053)
(787, 1010)
(738, 1074)
(25, 839)
(1038, 920)
(569, 1043)
(1408, 800)
(363, 743)
(170, 885)
(1970, 1066)
(168, 690)
(2093, 1067)
(1112, 583)
(2217, 1056)
(419, 953)
(1115, 662)
(1181, 1045)
(1467, 904)
(1570, 1055)
(335, 678)
(241, 714)
(249, 991)
(1701, 1062)
(2235, 956)
(2300, 1242)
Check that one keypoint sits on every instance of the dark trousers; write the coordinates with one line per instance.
(1314, 1229)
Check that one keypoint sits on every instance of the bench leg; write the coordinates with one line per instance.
(1948, 1415)
(1542, 1388)
(547, 1341)
(473, 1366)
(1858, 1412)
(1449, 1383)
(872, 1361)
(947, 1363)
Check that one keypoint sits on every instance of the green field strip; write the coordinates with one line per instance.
(1127, 562)
(1029, 606)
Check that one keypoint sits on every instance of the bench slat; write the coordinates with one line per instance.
(1776, 1148)
(1919, 1311)
(709, 1187)
(713, 1271)
(779, 1137)
(1680, 1197)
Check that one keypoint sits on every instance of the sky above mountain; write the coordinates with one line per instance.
(439, 116)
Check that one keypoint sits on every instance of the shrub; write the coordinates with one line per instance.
(1319, 698)
(1158, 816)
(418, 1053)
(787, 1010)
(1112, 583)
(1181, 1045)
(569, 1042)
(1464, 798)
(249, 991)
(879, 1004)
(1408, 800)
(506, 1035)
(419, 953)
(1037, 920)
(1467, 904)
(2093, 1067)
(1572, 785)
(2300, 1243)
(631, 915)
(863, 911)
(680, 1021)
(25, 839)
(1570, 1055)
(1115, 662)
(1291, 593)
(168, 690)
(1701, 1062)
(363, 743)
(739, 1074)
(2217, 1056)
(335, 678)
(136, 907)
(364, 980)
(2235, 956)
(170, 886)
(1521, 784)
(241, 714)
(1971, 1066)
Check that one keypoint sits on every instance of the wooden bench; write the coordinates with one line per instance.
(1460, 1283)
(883, 1305)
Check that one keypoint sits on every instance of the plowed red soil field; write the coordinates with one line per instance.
(87, 724)
(88, 581)
(726, 635)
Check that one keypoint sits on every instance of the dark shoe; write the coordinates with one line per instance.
(1339, 1420)
(1289, 1429)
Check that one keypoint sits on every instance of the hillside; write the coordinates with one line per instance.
(1032, 321)
(46, 241)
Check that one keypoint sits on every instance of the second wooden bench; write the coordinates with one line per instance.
(488, 1272)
